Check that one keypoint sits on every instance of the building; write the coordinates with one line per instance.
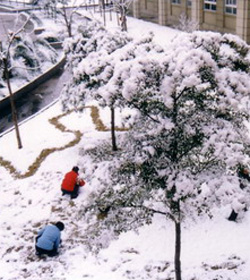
(225, 16)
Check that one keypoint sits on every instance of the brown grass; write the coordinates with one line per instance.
(46, 152)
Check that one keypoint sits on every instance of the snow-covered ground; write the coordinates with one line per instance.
(212, 249)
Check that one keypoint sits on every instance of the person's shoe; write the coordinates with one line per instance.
(53, 254)
(39, 255)
(74, 196)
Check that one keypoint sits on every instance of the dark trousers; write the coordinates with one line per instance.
(50, 253)
(233, 216)
(74, 193)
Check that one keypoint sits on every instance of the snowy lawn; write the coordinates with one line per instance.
(212, 249)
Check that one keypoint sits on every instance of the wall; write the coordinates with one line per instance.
(166, 13)
(148, 10)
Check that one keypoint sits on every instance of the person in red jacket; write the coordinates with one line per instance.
(71, 183)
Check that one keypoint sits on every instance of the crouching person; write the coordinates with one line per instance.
(48, 239)
(71, 183)
(244, 180)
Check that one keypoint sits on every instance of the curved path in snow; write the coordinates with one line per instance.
(46, 152)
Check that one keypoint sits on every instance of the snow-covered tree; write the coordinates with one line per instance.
(92, 38)
(189, 135)
(186, 24)
(65, 10)
(91, 56)
(110, 73)
(29, 54)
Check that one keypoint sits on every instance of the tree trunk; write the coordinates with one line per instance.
(12, 104)
(124, 23)
(177, 259)
(114, 146)
(67, 20)
(104, 12)
(68, 24)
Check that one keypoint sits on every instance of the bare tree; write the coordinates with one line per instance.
(122, 7)
(68, 13)
(5, 63)
(186, 24)
(66, 9)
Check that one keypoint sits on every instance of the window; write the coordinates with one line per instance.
(231, 7)
(210, 5)
(189, 3)
(176, 1)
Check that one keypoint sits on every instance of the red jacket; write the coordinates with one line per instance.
(70, 180)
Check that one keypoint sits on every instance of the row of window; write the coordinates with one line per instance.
(230, 5)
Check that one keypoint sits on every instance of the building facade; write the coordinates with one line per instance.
(225, 16)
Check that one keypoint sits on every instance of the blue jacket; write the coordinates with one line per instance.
(49, 238)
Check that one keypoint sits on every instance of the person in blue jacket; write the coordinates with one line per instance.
(48, 239)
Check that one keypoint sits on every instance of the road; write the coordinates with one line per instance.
(35, 100)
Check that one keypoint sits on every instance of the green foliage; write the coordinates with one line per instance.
(24, 52)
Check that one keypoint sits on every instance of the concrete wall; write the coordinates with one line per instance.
(146, 9)
(243, 20)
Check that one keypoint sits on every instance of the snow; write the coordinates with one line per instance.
(212, 248)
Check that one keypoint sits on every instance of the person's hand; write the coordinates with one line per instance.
(81, 182)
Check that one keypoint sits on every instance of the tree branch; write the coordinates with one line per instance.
(145, 113)
(151, 210)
